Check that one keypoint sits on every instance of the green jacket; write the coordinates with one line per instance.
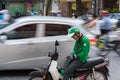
(81, 49)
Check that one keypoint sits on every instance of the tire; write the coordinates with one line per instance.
(118, 49)
(100, 75)
(35, 78)
(102, 52)
(49, 77)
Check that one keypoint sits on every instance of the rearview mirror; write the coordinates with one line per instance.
(3, 37)
(56, 43)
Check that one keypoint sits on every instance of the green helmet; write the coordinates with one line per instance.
(72, 31)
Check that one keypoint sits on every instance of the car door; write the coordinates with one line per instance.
(59, 32)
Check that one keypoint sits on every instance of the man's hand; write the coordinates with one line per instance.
(72, 57)
(69, 57)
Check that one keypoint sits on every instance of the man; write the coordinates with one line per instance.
(80, 51)
(93, 25)
(106, 24)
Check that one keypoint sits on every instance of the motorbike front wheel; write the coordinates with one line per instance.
(39, 78)
(35, 78)
(99, 75)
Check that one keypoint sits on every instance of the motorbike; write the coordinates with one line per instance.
(104, 46)
(95, 69)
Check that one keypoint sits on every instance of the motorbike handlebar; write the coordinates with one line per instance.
(54, 55)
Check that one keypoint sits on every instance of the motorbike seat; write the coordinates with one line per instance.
(93, 62)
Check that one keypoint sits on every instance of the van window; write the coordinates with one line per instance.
(56, 29)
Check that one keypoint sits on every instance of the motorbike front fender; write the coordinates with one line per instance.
(36, 74)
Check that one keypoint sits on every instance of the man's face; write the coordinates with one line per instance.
(90, 17)
(76, 36)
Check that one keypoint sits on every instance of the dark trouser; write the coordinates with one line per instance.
(75, 64)
(105, 36)
(104, 31)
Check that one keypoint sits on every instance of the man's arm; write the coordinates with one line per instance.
(74, 49)
(83, 53)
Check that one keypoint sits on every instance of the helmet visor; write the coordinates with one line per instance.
(70, 35)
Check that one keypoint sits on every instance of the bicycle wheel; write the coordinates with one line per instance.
(103, 52)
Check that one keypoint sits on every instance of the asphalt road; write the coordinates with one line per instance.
(114, 68)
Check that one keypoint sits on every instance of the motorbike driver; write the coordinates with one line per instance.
(79, 53)
(106, 25)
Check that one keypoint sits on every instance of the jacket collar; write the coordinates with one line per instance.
(81, 37)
